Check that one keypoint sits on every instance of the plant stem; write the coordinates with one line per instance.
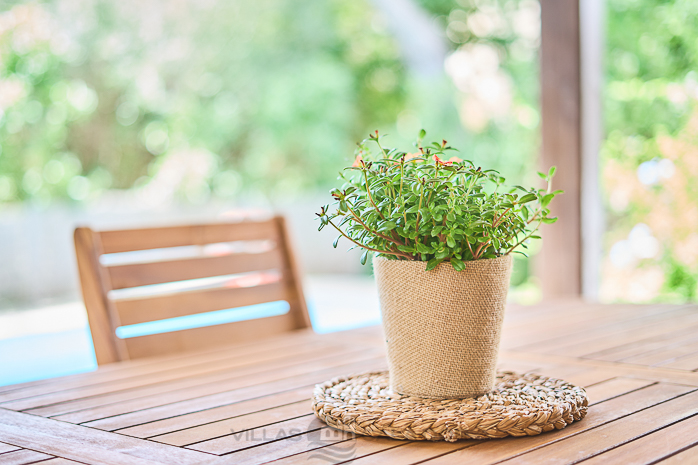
(419, 211)
(525, 237)
(479, 248)
(370, 249)
(471, 249)
(499, 220)
(368, 191)
(385, 154)
(376, 233)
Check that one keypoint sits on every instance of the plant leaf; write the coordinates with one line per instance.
(546, 199)
(431, 264)
(527, 198)
(458, 265)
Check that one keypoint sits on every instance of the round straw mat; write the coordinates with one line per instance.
(519, 405)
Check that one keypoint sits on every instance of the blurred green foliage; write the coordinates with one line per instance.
(102, 94)
(269, 95)
(651, 45)
(649, 158)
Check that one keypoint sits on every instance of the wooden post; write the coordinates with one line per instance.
(559, 263)
(571, 79)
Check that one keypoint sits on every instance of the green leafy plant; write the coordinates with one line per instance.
(420, 206)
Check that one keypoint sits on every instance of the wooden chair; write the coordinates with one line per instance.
(207, 258)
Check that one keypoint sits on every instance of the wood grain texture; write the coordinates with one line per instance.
(487, 452)
(204, 373)
(145, 274)
(413, 452)
(342, 451)
(59, 461)
(608, 436)
(268, 451)
(209, 336)
(244, 438)
(141, 371)
(123, 415)
(653, 447)
(161, 428)
(615, 387)
(248, 402)
(685, 457)
(188, 387)
(87, 445)
(23, 457)
(221, 428)
(7, 448)
(177, 236)
(191, 303)
(94, 285)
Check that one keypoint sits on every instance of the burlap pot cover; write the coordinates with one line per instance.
(442, 327)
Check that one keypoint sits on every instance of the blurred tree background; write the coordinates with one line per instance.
(650, 157)
(164, 103)
(266, 97)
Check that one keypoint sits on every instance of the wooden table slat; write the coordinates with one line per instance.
(342, 451)
(7, 448)
(213, 415)
(88, 445)
(266, 434)
(689, 362)
(685, 457)
(611, 388)
(153, 365)
(288, 412)
(288, 446)
(586, 321)
(59, 461)
(121, 416)
(72, 400)
(554, 333)
(606, 337)
(654, 446)
(220, 381)
(23, 457)
(656, 350)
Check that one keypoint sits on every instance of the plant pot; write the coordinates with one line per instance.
(442, 327)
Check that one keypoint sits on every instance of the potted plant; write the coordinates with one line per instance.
(442, 233)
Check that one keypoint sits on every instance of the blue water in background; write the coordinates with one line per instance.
(41, 356)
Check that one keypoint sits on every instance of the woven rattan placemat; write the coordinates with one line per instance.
(519, 405)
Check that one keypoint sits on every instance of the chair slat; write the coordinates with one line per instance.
(144, 274)
(209, 336)
(189, 303)
(129, 240)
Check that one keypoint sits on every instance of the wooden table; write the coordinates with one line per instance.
(248, 404)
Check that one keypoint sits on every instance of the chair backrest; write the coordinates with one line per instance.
(137, 276)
